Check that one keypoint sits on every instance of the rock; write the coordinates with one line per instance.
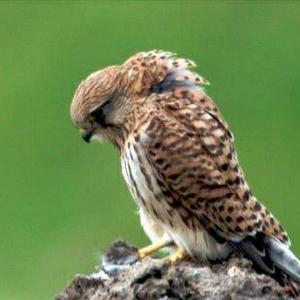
(123, 276)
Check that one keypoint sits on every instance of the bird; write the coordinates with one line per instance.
(180, 164)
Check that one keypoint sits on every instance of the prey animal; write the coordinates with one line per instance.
(179, 161)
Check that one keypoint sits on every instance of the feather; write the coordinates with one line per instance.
(157, 71)
(271, 257)
(283, 257)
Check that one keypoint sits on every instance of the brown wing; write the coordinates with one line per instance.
(192, 150)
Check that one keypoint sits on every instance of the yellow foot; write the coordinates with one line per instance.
(149, 250)
(180, 254)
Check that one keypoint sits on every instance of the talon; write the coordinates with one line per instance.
(180, 254)
(149, 250)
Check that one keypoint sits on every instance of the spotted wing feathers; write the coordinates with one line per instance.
(193, 153)
(191, 148)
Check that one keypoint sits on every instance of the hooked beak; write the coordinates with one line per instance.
(86, 134)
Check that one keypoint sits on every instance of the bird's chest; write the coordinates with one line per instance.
(145, 187)
(141, 179)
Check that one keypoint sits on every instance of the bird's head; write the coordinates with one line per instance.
(98, 104)
(104, 100)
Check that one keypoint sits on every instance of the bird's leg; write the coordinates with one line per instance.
(149, 250)
(180, 254)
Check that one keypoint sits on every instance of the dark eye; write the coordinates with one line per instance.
(99, 115)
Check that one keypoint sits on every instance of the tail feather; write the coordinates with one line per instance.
(271, 257)
(283, 258)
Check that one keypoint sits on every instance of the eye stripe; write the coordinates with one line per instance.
(99, 114)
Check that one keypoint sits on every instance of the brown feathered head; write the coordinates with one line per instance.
(104, 100)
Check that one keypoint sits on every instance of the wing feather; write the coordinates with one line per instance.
(192, 151)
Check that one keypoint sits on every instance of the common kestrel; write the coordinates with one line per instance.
(180, 164)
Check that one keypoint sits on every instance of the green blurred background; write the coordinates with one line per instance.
(62, 201)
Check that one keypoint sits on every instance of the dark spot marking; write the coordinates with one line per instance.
(183, 189)
(224, 167)
(249, 228)
(167, 193)
(174, 176)
(201, 199)
(211, 147)
(159, 161)
(240, 219)
(230, 209)
(237, 180)
(259, 223)
(257, 207)
(214, 186)
(236, 168)
(155, 212)
(228, 219)
(157, 145)
(238, 229)
(137, 138)
(193, 206)
(191, 195)
(221, 208)
(229, 156)
(175, 203)
(222, 138)
(246, 196)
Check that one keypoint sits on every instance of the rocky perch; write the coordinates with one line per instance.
(123, 276)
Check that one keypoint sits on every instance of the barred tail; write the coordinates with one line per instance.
(283, 258)
(273, 258)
